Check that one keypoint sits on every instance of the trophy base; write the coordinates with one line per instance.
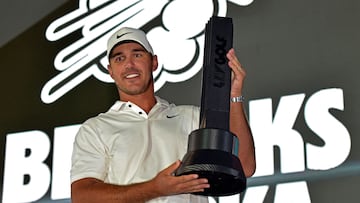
(220, 166)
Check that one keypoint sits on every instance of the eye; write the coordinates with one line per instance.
(119, 58)
(137, 55)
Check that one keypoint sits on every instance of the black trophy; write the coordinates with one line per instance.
(212, 149)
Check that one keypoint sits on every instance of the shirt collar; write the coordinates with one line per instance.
(119, 105)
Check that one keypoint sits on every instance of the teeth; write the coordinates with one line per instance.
(132, 75)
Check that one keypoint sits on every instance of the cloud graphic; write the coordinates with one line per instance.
(178, 41)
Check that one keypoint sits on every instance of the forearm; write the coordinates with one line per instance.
(238, 121)
(92, 190)
(89, 190)
(240, 127)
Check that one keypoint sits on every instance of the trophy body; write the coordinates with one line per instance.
(212, 149)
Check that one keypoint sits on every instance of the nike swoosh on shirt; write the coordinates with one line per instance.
(171, 116)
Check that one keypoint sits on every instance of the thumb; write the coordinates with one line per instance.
(171, 169)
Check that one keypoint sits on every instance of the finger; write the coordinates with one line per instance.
(190, 177)
(195, 185)
(193, 190)
(200, 188)
(192, 180)
(234, 62)
(172, 168)
(231, 55)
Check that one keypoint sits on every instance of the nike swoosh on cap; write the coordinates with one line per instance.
(119, 36)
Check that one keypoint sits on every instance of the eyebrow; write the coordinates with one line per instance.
(133, 50)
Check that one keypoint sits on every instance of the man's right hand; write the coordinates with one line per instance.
(167, 184)
(92, 190)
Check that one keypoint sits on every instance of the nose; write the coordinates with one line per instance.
(129, 62)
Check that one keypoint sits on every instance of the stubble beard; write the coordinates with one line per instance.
(137, 90)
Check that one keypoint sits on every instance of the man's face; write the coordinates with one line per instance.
(131, 67)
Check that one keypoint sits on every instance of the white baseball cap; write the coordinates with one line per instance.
(128, 34)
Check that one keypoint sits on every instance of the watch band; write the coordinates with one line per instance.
(237, 99)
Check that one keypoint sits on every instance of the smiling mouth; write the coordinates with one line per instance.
(132, 75)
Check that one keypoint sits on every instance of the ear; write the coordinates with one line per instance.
(154, 62)
(110, 71)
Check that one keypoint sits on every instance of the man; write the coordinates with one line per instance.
(129, 154)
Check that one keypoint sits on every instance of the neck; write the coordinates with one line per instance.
(146, 101)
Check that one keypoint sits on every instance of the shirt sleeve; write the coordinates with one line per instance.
(89, 154)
